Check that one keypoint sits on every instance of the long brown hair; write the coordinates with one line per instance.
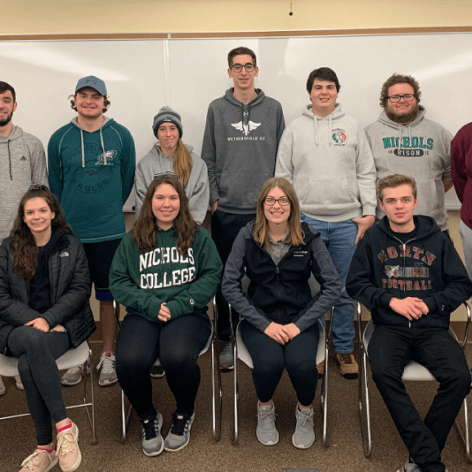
(182, 162)
(24, 252)
(261, 231)
(143, 232)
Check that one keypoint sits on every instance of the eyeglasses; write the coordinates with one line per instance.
(284, 201)
(408, 97)
(37, 187)
(239, 67)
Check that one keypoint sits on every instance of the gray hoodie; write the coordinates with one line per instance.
(23, 162)
(155, 163)
(239, 148)
(422, 150)
(329, 162)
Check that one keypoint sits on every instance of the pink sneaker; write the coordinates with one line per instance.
(68, 449)
(39, 461)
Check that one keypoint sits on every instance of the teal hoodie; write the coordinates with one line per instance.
(92, 175)
(186, 282)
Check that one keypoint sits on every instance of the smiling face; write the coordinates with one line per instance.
(168, 136)
(399, 204)
(89, 103)
(402, 111)
(277, 215)
(243, 80)
(165, 205)
(323, 97)
(7, 107)
(38, 216)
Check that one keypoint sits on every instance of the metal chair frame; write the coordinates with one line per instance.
(72, 358)
(413, 371)
(217, 397)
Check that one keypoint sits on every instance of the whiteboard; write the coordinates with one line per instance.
(187, 74)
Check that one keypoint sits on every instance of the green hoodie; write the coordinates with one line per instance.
(186, 282)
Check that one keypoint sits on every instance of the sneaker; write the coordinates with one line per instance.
(2, 387)
(39, 461)
(348, 365)
(72, 376)
(19, 383)
(320, 367)
(179, 434)
(157, 371)
(304, 435)
(108, 370)
(409, 466)
(266, 431)
(226, 357)
(68, 449)
(152, 442)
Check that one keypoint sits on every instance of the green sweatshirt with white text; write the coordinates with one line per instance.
(185, 282)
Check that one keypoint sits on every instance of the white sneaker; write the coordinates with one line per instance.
(226, 357)
(19, 383)
(108, 370)
(74, 375)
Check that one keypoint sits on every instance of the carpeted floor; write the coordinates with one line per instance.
(205, 454)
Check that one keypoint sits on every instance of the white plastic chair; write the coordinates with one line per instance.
(413, 371)
(240, 352)
(72, 358)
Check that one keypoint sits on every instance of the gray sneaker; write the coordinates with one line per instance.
(304, 435)
(152, 442)
(226, 357)
(179, 434)
(266, 431)
(108, 370)
(73, 376)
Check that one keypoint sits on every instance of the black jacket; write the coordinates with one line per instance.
(426, 267)
(280, 293)
(70, 292)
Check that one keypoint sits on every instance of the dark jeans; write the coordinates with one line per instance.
(390, 350)
(37, 353)
(270, 359)
(177, 343)
(224, 229)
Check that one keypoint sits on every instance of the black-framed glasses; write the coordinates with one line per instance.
(408, 97)
(283, 201)
(239, 67)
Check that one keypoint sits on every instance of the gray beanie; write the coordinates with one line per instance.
(166, 114)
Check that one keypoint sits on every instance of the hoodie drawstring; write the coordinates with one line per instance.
(9, 159)
(330, 135)
(103, 148)
(83, 148)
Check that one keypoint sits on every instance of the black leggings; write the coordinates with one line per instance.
(270, 358)
(177, 343)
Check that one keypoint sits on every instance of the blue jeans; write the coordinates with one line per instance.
(340, 238)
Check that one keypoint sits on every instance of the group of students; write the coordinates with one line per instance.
(279, 231)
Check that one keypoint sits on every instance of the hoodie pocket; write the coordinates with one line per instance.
(322, 192)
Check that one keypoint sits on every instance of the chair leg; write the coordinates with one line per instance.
(90, 415)
(236, 396)
(324, 397)
(464, 434)
(125, 416)
(364, 412)
(217, 396)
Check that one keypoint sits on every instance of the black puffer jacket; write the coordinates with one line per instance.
(70, 292)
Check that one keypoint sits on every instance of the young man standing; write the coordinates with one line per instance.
(23, 163)
(408, 274)
(91, 170)
(404, 141)
(326, 156)
(242, 134)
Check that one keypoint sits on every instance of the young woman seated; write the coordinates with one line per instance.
(165, 271)
(44, 311)
(279, 254)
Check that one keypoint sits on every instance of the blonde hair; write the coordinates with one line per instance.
(261, 231)
(182, 162)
